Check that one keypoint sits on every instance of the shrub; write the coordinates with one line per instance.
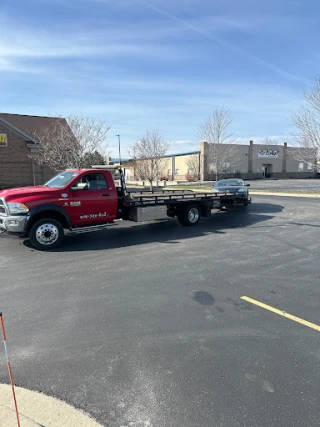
(192, 177)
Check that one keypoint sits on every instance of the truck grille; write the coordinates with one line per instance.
(3, 210)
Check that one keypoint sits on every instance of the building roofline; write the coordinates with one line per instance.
(18, 131)
(167, 156)
(32, 115)
(183, 154)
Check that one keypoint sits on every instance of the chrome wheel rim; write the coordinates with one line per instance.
(47, 234)
(193, 215)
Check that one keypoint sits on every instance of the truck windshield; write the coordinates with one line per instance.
(61, 180)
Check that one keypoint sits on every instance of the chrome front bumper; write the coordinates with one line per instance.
(13, 223)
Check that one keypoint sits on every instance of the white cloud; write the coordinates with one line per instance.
(93, 84)
(9, 66)
(18, 41)
(182, 142)
(183, 146)
(148, 39)
(72, 47)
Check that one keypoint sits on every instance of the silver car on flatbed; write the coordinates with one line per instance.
(236, 187)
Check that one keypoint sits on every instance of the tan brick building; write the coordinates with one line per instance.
(249, 161)
(17, 144)
(254, 161)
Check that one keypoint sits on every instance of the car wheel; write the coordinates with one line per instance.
(46, 234)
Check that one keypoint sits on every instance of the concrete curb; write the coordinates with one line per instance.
(284, 194)
(39, 410)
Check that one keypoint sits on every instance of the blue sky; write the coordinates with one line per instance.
(160, 64)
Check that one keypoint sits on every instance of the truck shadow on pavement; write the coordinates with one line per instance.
(169, 231)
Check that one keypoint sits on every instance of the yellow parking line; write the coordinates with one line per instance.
(282, 313)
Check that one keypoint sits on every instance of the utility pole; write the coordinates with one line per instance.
(119, 149)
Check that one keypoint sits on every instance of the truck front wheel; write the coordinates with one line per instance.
(46, 234)
(190, 215)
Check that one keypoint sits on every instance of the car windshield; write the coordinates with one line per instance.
(229, 183)
(61, 180)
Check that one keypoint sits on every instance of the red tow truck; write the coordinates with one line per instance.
(82, 200)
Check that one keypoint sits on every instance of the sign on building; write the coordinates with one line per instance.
(3, 140)
(271, 154)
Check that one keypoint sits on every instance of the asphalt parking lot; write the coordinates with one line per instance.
(143, 325)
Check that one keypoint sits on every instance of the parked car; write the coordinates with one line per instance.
(234, 186)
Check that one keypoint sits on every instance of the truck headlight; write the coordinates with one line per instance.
(17, 208)
(242, 190)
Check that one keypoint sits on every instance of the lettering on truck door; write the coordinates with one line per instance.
(92, 200)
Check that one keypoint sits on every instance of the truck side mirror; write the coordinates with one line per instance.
(80, 187)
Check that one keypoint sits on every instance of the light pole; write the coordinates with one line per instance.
(119, 149)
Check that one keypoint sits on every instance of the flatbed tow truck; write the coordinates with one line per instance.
(83, 200)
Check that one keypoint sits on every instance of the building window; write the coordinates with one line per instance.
(310, 166)
(169, 171)
(177, 172)
(212, 167)
(301, 167)
(191, 171)
(226, 167)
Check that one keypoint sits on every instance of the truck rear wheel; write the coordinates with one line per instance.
(46, 234)
(190, 215)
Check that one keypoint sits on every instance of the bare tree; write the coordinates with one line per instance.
(193, 166)
(67, 143)
(148, 154)
(269, 141)
(307, 121)
(222, 153)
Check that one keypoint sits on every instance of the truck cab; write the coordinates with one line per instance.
(73, 198)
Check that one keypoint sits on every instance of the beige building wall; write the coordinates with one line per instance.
(258, 163)
(166, 165)
(133, 174)
(240, 162)
(237, 164)
(294, 165)
(248, 161)
(182, 165)
(175, 167)
(282, 166)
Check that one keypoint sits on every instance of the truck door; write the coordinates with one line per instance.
(92, 200)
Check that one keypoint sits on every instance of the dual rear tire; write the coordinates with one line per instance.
(189, 215)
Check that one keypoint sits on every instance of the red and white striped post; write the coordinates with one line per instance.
(9, 367)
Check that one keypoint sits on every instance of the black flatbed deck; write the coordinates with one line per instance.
(173, 197)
